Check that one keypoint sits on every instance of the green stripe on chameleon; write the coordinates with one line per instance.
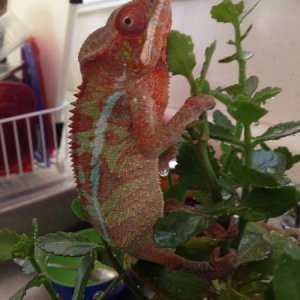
(97, 148)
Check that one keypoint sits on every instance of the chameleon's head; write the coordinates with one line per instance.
(134, 36)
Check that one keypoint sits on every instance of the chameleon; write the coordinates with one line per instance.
(118, 132)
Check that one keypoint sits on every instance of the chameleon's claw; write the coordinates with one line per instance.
(222, 265)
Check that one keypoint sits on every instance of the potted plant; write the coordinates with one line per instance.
(229, 197)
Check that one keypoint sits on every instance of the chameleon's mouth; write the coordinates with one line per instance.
(158, 27)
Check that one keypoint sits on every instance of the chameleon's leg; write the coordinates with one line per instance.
(217, 267)
(152, 134)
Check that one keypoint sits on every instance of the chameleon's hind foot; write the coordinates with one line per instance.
(224, 265)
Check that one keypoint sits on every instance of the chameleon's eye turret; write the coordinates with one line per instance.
(131, 21)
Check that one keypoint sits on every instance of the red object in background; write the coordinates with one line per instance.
(32, 75)
(16, 99)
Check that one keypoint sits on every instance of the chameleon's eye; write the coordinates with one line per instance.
(131, 21)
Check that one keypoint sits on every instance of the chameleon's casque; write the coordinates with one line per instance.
(118, 133)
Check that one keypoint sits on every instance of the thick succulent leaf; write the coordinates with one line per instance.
(228, 59)
(251, 85)
(78, 210)
(83, 275)
(180, 54)
(176, 191)
(221, 120)
(20, 294)
(223, 134)
(173, 284)
(263, 203)
(279, 131)
(66, 244)
(197, 248)
(8, 239)
(227, 12)
(265, 94)
(289, 157)
(225, 99)
(248, 176)
(245, 111)
(253, 247)
(189, 169)
(177, 227)
(286, 281)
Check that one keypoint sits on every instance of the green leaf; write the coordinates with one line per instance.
(227, 12)
(263, 203)
(20, 294)
(251, 85)
(253, 247)
(226, 100)
(266, 93)
(246, 32)
(279, 131)
(8, 239)
(66, 244)
(247, 176)
(234, 90)
(245, 111)
(173, 284)
(221, 120)
(231, 294)
(180, 54)
(24, 246)
(83, 275)
(78, 210)
(286, 281)
(269, 162)
(197, 248)
(189, 170)
(289, 158)
(228, 59)
(223, 134)
(177, 227)
(176, 191)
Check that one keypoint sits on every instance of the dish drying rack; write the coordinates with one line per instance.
(38, 160)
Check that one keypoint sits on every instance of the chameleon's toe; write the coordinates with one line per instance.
(224, 265)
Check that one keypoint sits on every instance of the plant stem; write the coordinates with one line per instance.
(111, 287)
(170, 179)
(231, 154)
(46, 283)
(240, 53)
(137, 292)
(200, 148)
(248, 146)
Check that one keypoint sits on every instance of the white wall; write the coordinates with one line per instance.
(47, 21)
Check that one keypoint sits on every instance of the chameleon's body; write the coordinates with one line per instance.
(118, 133)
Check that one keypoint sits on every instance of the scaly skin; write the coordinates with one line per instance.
(118, 131)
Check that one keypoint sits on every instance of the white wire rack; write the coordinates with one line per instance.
(39, 155)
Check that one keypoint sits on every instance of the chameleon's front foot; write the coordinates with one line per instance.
(200, 103)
